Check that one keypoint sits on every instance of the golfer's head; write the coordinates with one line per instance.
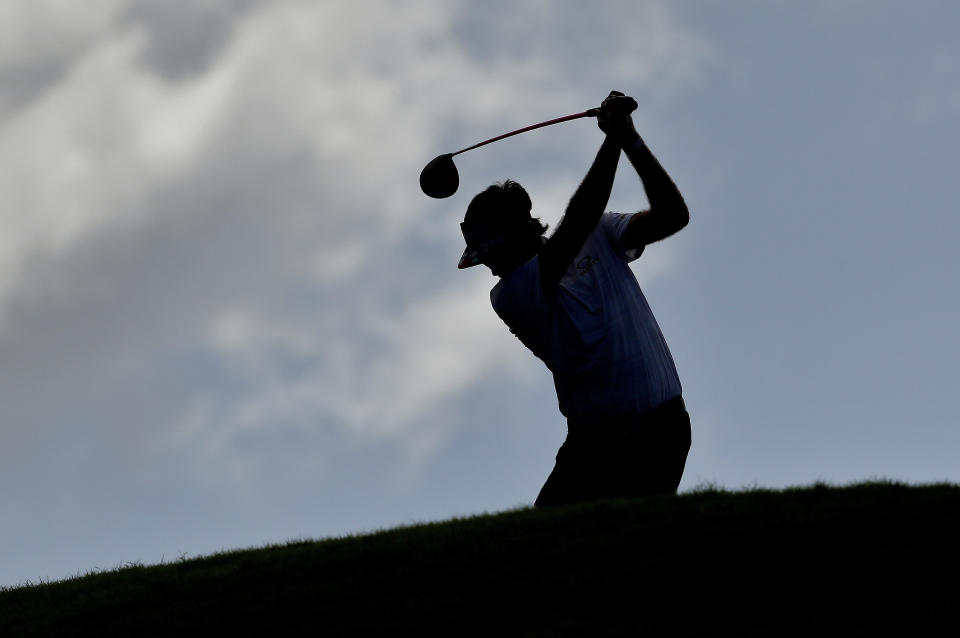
(498, 226)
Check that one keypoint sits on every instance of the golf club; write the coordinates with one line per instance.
(440, 179)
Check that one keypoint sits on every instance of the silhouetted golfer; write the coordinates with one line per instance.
(574, 302)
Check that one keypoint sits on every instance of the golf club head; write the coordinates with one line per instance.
(439, 178)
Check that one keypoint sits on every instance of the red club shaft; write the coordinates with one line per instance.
(587, 113)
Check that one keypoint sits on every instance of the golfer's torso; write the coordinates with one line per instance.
(597, 334)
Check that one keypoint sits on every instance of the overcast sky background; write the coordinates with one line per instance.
(229, 317)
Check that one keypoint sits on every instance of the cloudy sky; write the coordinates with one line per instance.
(229, 317)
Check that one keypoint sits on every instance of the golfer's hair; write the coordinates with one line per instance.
(504, 205)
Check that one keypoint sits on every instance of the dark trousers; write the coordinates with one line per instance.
(621, 459)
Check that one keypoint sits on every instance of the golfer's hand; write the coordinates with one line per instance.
(614, 117)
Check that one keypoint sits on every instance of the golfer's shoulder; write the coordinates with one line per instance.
(614, 224)
(518, 287)
(613, 228)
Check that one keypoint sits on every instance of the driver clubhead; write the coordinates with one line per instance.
(439, 178)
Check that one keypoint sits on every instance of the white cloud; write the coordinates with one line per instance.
(430, 353)
(63, 170)
(258, 210)
(39, 36)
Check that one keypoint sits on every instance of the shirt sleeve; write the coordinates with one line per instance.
(519, 301)
(615, 225)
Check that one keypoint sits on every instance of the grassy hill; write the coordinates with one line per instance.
(868, 559)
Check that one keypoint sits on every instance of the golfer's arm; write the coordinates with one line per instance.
(581, 217)
(668, 212)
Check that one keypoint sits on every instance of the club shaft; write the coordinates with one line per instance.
(587, 113)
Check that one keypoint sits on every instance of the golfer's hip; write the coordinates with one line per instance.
(663, 415)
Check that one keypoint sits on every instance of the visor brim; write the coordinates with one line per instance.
(468, 259)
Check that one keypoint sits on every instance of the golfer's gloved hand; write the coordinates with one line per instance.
(614, 117)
